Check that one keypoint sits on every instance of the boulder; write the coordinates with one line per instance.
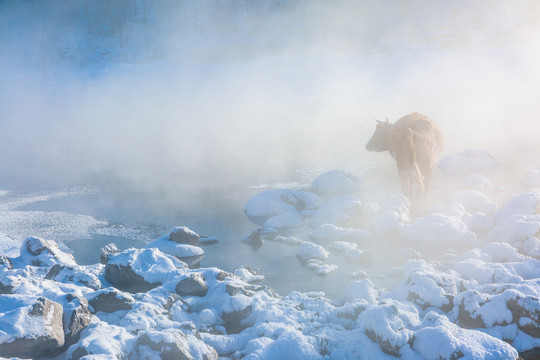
(254, 240)
(39, 252)
(233, 321)
(110, 300)
(124, 278)
(181, 243)
(526, 314)
(77, 317)
(192, 285)
(172, 344)
(107, 251)
(5, 262)
(36, 329)
(73, 274)
(383, 325)
(183, 235)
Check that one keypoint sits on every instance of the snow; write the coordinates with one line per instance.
(531, 179)
(175, 249)
(278, 201)
(308, 251)
(438, 229)
(467, 161)
(336, 181)
(153, 265)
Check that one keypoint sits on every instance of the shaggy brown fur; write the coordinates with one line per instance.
(414, 142)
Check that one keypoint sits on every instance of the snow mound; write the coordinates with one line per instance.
(467, 161)
(531, 179)
(336, 181)
(270, 203)
(438, 229)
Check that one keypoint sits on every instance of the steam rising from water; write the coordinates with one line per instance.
(165, 98)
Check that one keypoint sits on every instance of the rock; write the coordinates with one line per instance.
(72, 274)
(109, 300)
(233, 320)
(533, 354)
(181, 243)
(77, 317)
(336, 182)
(192, 285)
(107, 251)
(173, 344)
(383, 325)
(41, 326)
(5, 262)
(124, 278)
(6, 285)
(254, 240)
(102, 341)
(39, 252)
(183, 235)
(526, 314)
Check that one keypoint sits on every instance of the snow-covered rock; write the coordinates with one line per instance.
(439, 339)
(467, 161)
(30, 326)
(337, 211)
(532, 179)
(438, 229)
(308, 251)
(336, 182)
(139, 270)
(270, 203)
(180, 242)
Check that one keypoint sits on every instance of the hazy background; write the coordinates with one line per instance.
(170, 96)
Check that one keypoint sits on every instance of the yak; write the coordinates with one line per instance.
(414, 141)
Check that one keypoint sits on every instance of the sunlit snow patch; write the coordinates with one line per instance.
(467, 161)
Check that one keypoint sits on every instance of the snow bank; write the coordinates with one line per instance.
(438, 229)
(336, 182)
(467, 161)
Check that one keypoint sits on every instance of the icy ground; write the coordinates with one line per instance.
(460, 282)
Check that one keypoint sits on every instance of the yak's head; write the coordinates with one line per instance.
(379, 139)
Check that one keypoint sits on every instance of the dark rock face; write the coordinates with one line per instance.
(234, 320)
(6, 285)
(254, 240)
(52, 338)
(182, 235)
(193, 285)
(107, 251)
(110, 300)
(124, 278)
(77, 317)
(526, 314)
(6, 262)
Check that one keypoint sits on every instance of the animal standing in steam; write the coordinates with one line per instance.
(414, 141)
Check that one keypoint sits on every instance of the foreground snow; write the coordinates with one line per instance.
(461, 282)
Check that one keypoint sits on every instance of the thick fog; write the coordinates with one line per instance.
(167, 96)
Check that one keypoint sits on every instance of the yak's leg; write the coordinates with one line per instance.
(404, 171)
